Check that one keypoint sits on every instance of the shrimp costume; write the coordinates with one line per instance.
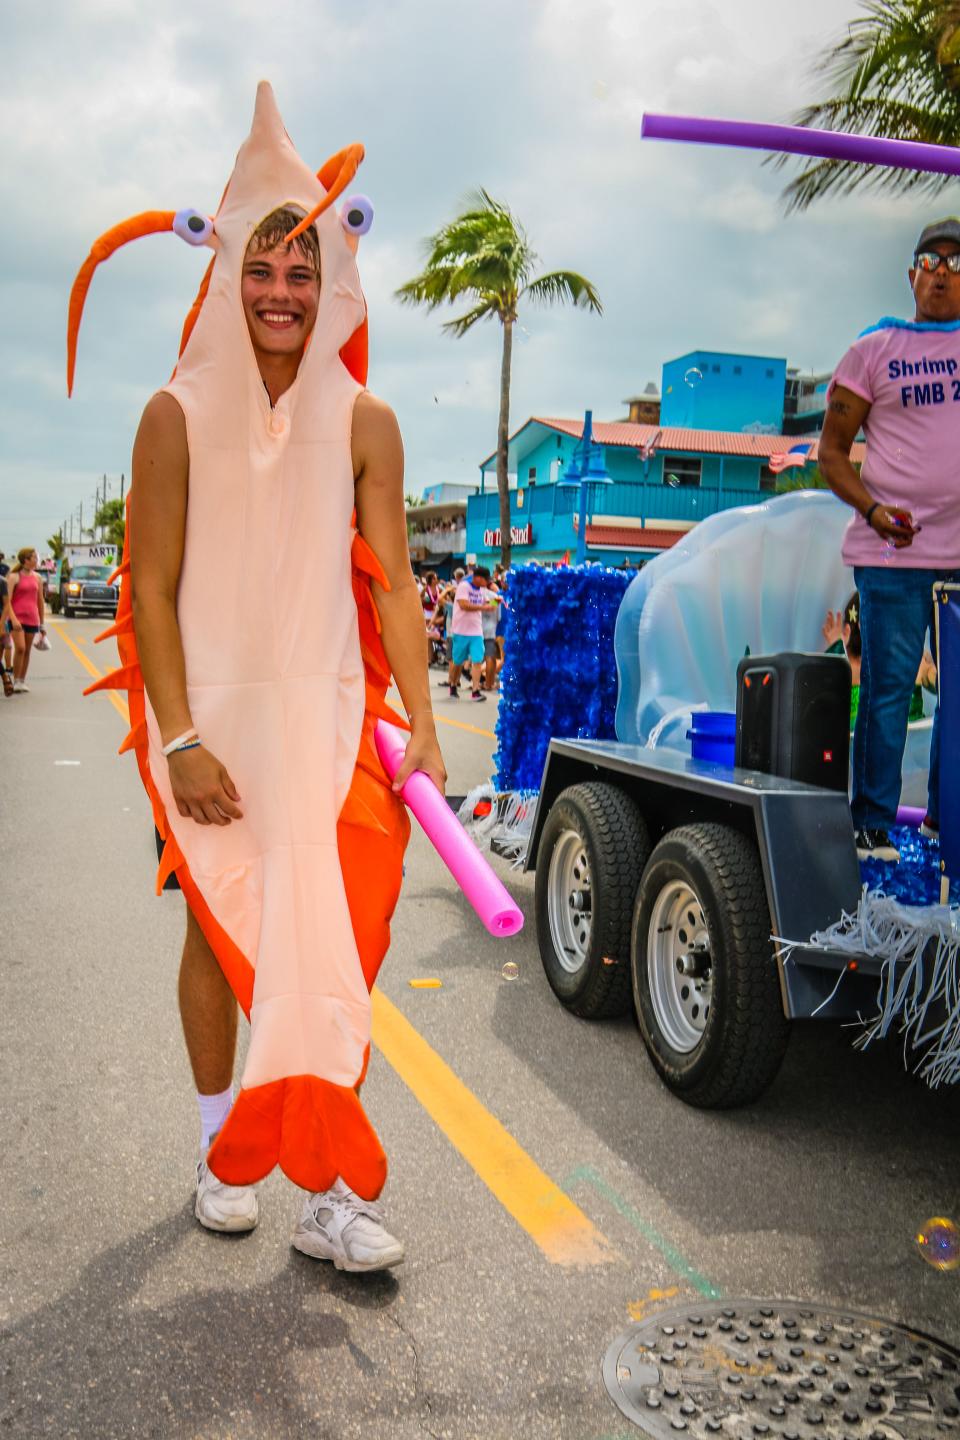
(296, 898)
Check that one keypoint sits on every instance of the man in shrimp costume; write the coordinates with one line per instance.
(267, 598)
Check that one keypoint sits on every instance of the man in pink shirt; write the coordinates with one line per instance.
(900, 383)
(469, 604)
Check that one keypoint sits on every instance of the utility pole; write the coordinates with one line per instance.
(121, 488)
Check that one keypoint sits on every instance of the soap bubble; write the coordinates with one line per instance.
(693, 377)
(938, 1241)
(511, 970)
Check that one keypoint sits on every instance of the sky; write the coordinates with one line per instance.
(110, 107)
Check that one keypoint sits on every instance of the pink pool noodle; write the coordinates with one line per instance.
(485, 892)
(798, 140)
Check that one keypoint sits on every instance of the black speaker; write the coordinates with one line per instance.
(793, 717)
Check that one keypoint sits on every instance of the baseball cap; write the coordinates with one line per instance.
(946, 229)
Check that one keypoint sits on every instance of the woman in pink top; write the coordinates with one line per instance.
(26, 602)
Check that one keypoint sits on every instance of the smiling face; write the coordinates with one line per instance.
(937, 292)
(280, 292)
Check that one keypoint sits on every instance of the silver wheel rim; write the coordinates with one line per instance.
(569, 901)
(678, 966)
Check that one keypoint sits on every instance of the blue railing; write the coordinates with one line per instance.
(641, 501)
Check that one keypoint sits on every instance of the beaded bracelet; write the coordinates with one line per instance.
(189, 745)
(869, 512)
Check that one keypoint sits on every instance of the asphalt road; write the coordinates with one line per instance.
(547, 1187)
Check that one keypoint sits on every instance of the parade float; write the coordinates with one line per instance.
(716, 889)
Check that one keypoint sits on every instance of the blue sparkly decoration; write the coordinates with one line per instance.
(916, 880)
(559, 675)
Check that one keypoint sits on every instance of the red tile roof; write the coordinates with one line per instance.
(704, 442)
(632, 537)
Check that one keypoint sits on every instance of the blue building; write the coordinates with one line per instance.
(712, 390)
(663, 480)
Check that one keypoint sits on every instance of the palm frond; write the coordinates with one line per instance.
(484, 311)
(895, 74)
(560, 285)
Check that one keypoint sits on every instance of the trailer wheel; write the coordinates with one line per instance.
(592, 851)
(68, 612)
(705, 979)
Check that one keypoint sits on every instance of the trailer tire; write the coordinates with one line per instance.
(592, 851)
(702, 904)
(68, 612)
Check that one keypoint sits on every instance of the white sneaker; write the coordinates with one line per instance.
(224, 1207)
(337, 1225)
(19, 688)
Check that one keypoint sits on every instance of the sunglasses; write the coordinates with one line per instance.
(931, 260)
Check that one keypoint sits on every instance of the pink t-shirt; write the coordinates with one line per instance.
(911, 378)
(468, 622)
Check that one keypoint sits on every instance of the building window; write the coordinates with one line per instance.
(738, 369)
(682, 470)
(532, 473)
(769, 374)
(715, 369)
(559, 441)
(768, 478)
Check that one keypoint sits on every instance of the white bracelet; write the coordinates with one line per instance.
(174, 744)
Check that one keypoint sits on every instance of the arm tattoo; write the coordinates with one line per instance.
(840, 407)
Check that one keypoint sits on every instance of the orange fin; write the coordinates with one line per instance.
(376, 705)
(123, 569)
(366, 561)
(128, 677)
(134, 737)
(171, 858)
(356, 811)
(123, 626)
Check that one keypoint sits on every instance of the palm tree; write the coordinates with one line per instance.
(56, 544)
(111, 521)
(485, 254)
(895, 74)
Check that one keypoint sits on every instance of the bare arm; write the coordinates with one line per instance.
(381, 517)
(201, 787)
(6, 613)
(846, 414)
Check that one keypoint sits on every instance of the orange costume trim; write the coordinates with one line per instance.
(296, 899)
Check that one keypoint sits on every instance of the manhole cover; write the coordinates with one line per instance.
(749, 1368)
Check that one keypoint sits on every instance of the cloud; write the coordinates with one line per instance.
(110, 107)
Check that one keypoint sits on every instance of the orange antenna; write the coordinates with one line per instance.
(151, 222)
(334, 176)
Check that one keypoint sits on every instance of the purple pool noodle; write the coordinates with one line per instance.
(488, 896)
(910, 815)
(798, 140)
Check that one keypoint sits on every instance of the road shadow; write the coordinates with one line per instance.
(836, 1128)
(100, 1361)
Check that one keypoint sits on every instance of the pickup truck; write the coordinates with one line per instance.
(86, 587)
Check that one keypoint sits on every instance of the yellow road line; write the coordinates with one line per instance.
(462, 725)
(445, 720)
(550, 1218)
(91, 669)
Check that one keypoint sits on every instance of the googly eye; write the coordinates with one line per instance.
(356, 215)
(193, 227)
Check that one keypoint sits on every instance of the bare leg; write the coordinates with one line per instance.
(18, 649)
(24, 657)
(208, 1012)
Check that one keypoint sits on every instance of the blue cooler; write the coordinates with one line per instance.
(713, 736)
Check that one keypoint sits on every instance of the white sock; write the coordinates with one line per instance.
(214, 1110)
